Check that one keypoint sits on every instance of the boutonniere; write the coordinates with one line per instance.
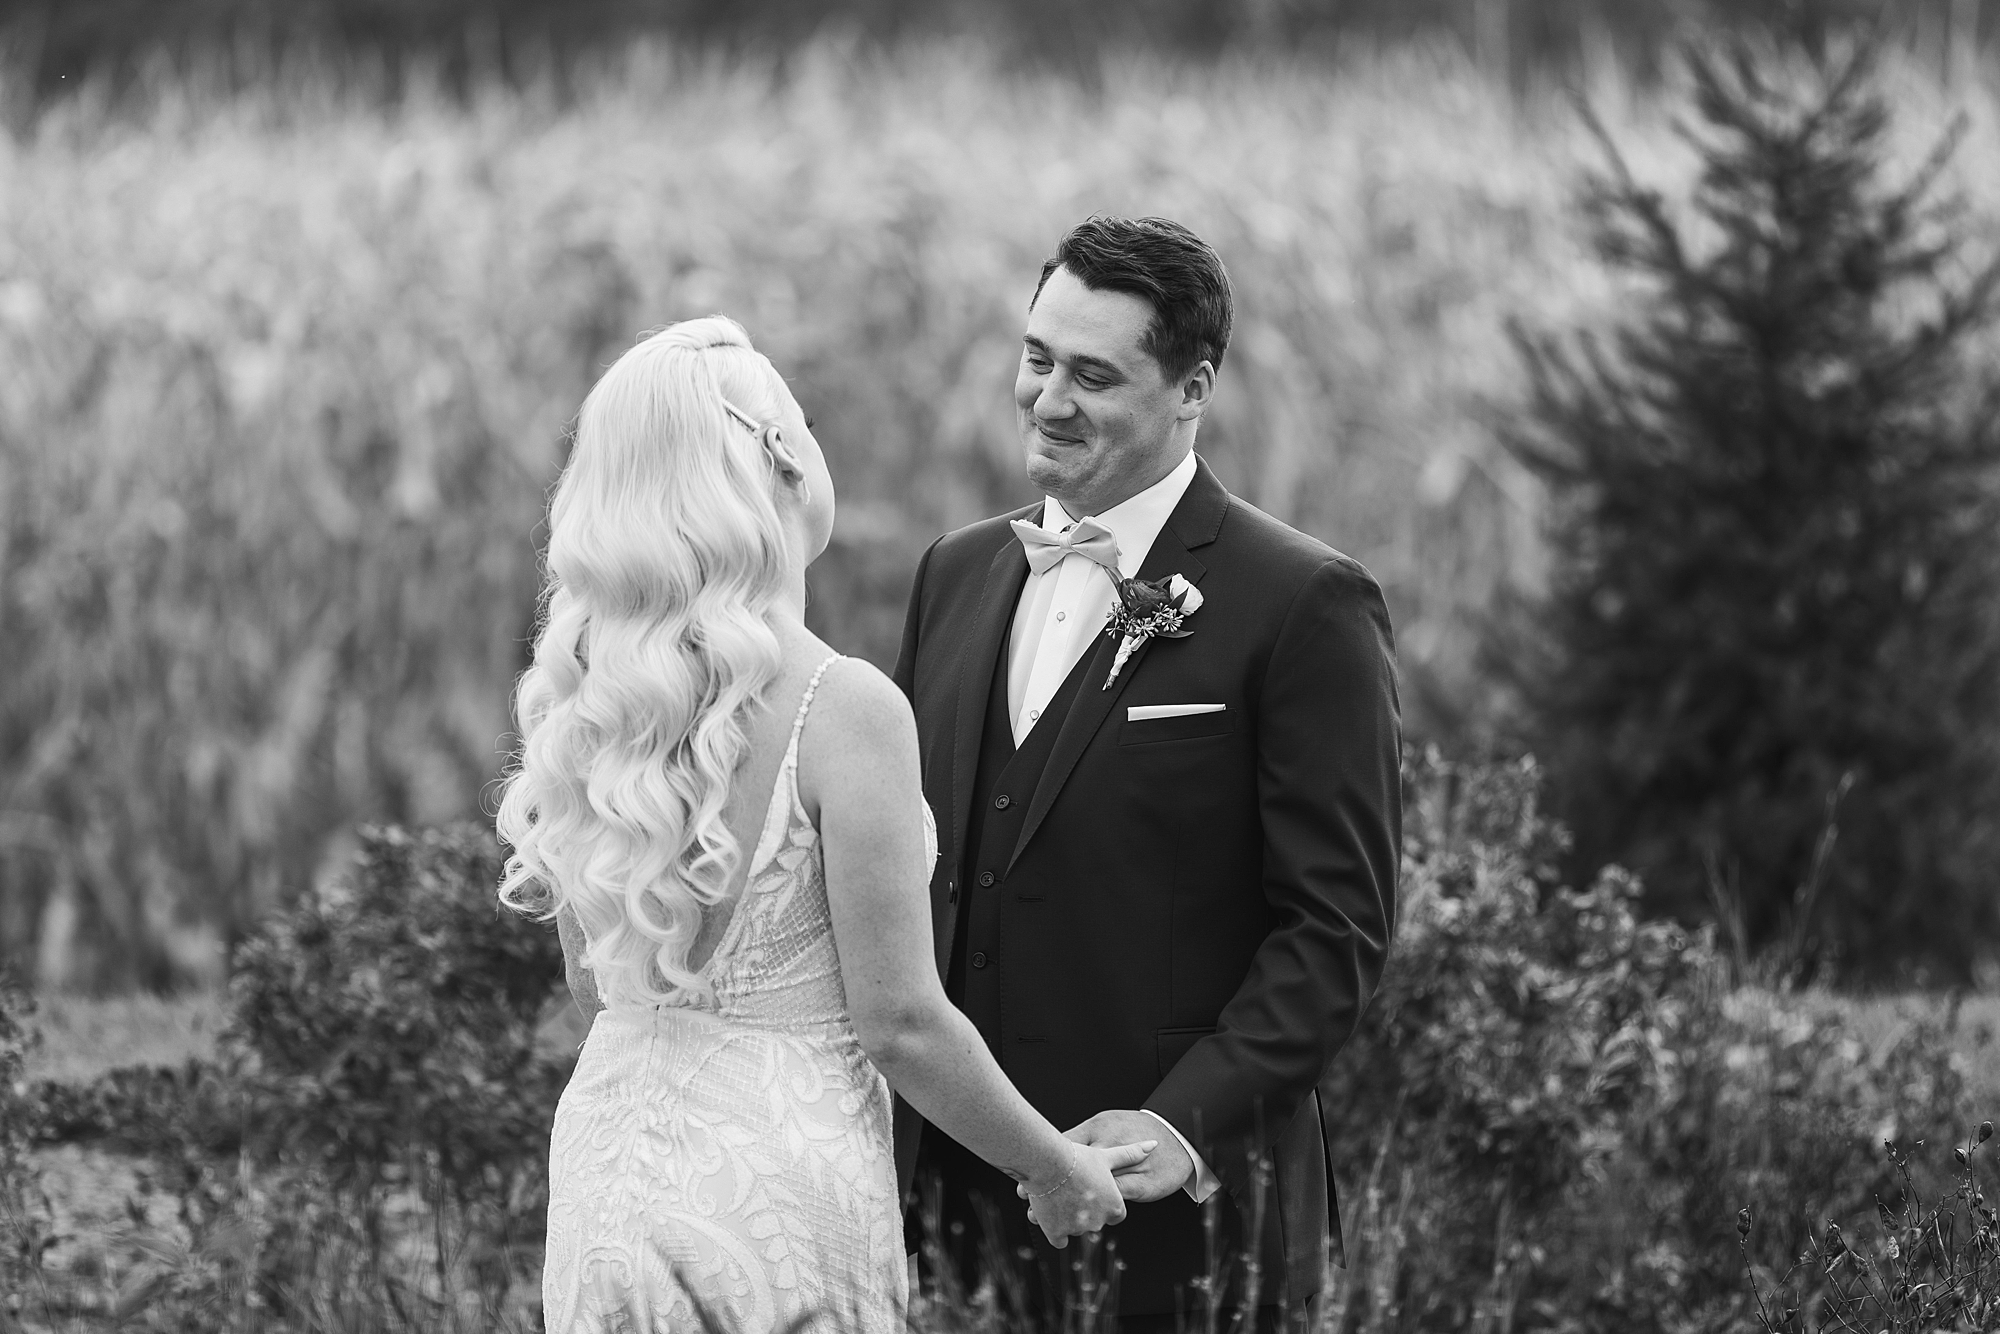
(1147, 609)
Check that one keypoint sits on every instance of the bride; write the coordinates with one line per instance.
(725, 819)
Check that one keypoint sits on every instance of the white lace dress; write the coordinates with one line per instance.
(729, 1167)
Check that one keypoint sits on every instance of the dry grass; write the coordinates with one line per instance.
(284, 379)
(1879, 1020)
(83, 1037)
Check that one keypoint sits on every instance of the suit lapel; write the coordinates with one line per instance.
(1194, 522)
(1005, 577)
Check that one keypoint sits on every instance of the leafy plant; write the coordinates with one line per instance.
(1522, 1028)
(24, 1231)
(144, 1109)
(391, 1019)
(368, 1152)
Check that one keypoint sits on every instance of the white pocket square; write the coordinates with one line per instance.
(1141, 712)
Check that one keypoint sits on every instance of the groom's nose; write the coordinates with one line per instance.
(1055, 403)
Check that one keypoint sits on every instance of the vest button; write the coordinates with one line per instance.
(1002, 802)
(985, 879)
(979, 959)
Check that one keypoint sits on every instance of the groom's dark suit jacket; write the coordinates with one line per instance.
(1184, 914)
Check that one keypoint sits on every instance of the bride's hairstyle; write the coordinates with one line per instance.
(666, 551)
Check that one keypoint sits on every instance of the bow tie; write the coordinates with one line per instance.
(1086, 537)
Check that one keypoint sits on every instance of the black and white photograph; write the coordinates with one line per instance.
(999, 666)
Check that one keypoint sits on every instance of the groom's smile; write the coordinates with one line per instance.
(1097, 414)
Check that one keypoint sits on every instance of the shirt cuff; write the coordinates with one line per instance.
(1203, 1183)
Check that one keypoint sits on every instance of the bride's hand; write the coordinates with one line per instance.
(1087, 1199)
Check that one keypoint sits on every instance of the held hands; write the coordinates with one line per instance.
(1088, 1198)
(1162, 1172)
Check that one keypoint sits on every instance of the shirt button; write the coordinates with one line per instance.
(1034, 715)
(1062, 615)
(1002, 802)
(979, 959)
(985, 879)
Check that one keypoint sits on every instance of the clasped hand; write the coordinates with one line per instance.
(1143, 1165)
(1087, 1200)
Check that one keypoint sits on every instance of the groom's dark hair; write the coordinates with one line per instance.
(1168, 266)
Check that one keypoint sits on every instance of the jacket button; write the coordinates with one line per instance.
(985, 879)
(979, 959)
(1002, 802)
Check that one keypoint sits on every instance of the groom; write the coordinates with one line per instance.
(1167, 883)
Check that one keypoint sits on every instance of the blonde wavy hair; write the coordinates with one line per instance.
(666, 555)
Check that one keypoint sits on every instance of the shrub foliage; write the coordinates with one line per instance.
(1560, 1106)
(371, 1144)
(1777, 533)
(1556, 1109)
(394, 1016)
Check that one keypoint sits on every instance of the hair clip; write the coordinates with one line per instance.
(750, 423)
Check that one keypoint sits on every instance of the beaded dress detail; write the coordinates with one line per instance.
(729, 1161)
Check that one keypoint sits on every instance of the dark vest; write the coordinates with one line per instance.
(1002, 787)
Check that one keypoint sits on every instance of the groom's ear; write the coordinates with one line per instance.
(1197, 392)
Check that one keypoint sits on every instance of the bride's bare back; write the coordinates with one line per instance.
(768, 732)
(731, 1157)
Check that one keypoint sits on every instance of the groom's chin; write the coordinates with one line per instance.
(1042, 470)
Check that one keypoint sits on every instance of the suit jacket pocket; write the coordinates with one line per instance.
(1184, 728)
(1174, 1044)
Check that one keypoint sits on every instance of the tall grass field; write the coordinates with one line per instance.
(285, 377)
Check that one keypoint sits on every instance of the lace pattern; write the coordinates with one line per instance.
(727, 1165)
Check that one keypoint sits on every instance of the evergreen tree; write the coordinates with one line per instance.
(1775, 608)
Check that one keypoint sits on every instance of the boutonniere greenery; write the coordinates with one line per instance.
(1149, 609)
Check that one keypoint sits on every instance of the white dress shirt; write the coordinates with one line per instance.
(1061, 614)
(1062, 609)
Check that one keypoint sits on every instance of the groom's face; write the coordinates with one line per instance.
(1097, 414)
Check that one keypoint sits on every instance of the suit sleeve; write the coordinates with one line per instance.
(1330, 798)
(905, 675)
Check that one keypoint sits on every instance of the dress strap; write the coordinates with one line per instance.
(799, 723)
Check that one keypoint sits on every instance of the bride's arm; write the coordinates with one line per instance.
(858, 776)
(582, 984)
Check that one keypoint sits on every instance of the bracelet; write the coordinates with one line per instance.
(1043, 1195)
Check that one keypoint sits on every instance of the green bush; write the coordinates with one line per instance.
(1521, 1030)
(369, 1149)
(1557, 1107)
(144, 1109)
(1777, 534)
(17, 1007)
(1777, 1107)
(392, 1019)
(24, 1233)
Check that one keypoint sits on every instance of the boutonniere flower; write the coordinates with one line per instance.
(1149, 609)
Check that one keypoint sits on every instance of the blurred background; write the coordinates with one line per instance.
(298, 299)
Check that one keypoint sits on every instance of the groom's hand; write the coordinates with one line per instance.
(1163, 1171)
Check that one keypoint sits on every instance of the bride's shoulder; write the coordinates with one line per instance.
(856, 694)
(859, 735)
(858, 710)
